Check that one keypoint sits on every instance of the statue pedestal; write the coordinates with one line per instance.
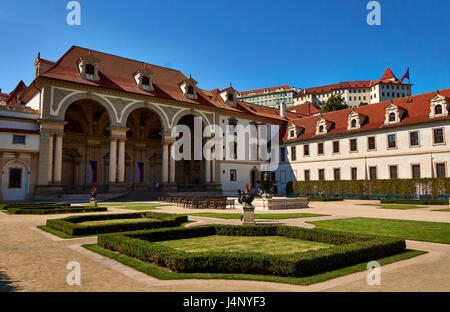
(94, 202)
(249, 215)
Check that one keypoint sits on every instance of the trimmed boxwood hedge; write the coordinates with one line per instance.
(71, 226)
(325, 199)
(416, 202)
(33, 205)
(349, 249)
(57, 210)
(431, 186)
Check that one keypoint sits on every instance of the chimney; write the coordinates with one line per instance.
(282, 110)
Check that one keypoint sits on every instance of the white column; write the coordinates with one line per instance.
(208, 167)
(121, 163)
(112, 160)
(50, 158)
(58, 159)
(165, 163)
(172, 165)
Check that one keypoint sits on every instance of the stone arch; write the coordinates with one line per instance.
(66, 102)
(176, 119)
(154, 108)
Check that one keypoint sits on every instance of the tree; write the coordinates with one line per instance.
(334, 103)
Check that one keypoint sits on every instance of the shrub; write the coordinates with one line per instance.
(34, 205)
(431, 186)
(71, 226)
(56, 210)
(416, 201)
(325, 199)
(349, 249)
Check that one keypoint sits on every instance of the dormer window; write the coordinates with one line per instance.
(88, 67)
(188, 88)
(143, 79)
(393, 114)
(355, 120)
(322, 126)
(439, 106)
(228, 96)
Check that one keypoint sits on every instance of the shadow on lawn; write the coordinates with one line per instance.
(6, 283)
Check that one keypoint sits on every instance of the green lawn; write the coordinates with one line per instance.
(116, 221)
(413, 230)
(448, 209)
(269, 216)
(394, 206)
(164, 274)
(263, 244)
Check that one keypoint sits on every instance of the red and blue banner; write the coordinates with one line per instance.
(92, 171)
(139, 172)
(406, 75)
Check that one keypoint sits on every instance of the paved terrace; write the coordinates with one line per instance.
(32, 260)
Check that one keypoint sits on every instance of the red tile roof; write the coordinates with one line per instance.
(305, 109)
(270, 89)
(388, 74)
(417, 109)
(117, 73)
(336, 86)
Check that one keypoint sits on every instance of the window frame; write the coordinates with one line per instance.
(19, 135)
(418, 138)
(309, 175)
(319, 170)
(443, 136)
(233, 177)
(334, 174)
(350, 145)
(374, 142)
(412, 171)
(20, 178)
(390, 172)
(395, 138)
(318, 149)
(356, 173)
(444, 164)
(306, 147)
(376, 172)
(338, 147)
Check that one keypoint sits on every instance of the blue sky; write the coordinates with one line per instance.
(253, 44)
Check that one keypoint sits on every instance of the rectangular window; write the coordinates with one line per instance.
(321, 174)
(15, 178)
(320, 148)
(293, 153)
(392, 141)
(18, 139)
(336, 147)
(146, 81)
(414, 138)
(90, 69)
(233, 175)
(373, 173)
(440, 170)
(393, 172)
(337, 173)
(307, 178)
(282, 154)
(306, 150)
(371, 143)
(415, 171)
(438, 135)
(354, 173)
(353, 145)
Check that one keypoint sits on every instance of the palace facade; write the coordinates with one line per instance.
(92, 118)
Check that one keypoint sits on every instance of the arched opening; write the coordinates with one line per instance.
(85, 143)
(143, 166)
(15, 184)
(392, 117)
(191, 174)
(438, 109)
